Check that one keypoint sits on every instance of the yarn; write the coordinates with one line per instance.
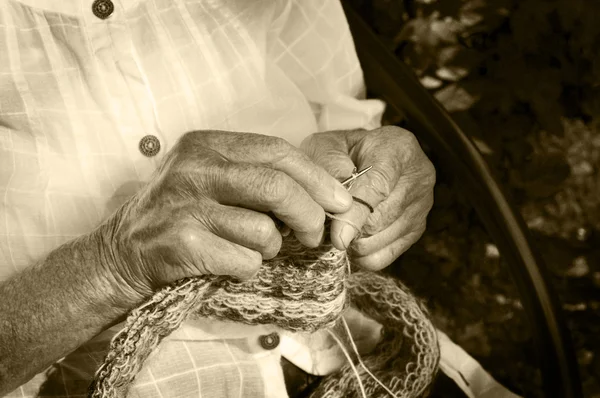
(353, 225)
(345, 352)
(300, 290)
(373, 377)
(364, 203)
(405, 360)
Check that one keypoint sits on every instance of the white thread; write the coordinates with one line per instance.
(349, 267)
(362, 363)
(360, 384)
(356, 227)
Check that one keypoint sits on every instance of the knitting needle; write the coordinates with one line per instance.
(355, 175)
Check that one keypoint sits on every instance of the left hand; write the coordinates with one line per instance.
(399, 187)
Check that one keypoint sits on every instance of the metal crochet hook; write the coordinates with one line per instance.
(355, 174)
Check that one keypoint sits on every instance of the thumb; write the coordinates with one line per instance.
(368, 191)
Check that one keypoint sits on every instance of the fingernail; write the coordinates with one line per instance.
(346, 235)
(342, 196)
(311, 239)
(321, 237)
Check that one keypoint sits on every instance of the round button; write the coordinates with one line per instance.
(269, 341)
(149, 146)
(103, 8)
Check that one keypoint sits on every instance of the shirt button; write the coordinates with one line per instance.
(269, 341)
(149, 146)
(103, 8)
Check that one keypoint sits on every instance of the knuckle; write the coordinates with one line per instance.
(254, 262)
(184, 142)
(312, 220)
(272, 249)
(215, 170)
(278, 147)
(316, 174)
(395, 132)
(404, 141)
(263, 230)
(187, 137)
(379, 182)
(418, 231)
(174, 187)
(275, 187)
(359, 247)
(186, 231)
(430, 173)
(428, 204)
(278, 144)
(411, 140)
(187, 145)
(317, 221)
(373, 224)
(396, 251)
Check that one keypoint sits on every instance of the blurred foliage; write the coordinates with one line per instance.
(522, 78)
(508, 55)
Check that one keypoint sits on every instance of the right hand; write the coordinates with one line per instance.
(204, 211)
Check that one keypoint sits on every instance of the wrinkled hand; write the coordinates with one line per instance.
(205, 211)
(399, 187)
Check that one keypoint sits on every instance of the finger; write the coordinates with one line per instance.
(371, 188)
(329, 151)
(219, 256)
(311, 239)
(387, 255)
(411, 199)
(256, 231)
(402, 227)
(280, 155)
(267, 190)
(328, 192)
(413, 219)
(192, 250)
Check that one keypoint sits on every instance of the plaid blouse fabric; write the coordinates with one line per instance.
(78, 94)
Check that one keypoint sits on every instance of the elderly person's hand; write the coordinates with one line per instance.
(205, 211)
(399, 187)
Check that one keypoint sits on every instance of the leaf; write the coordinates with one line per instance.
(447, 54)
(486, 15)
(430, 82)
(455, 98)
(454, 63)
(451, 73)
(446, 30)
